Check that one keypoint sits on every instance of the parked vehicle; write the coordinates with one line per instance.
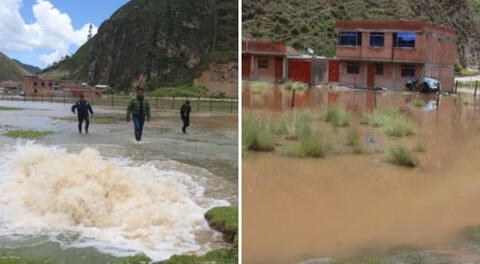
(427, 85)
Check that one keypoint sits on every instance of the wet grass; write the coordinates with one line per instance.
(314, 147)
(353, 140)
(394, 123)
(256, 135)
(6, 259)
(295, 125)
(338, 115)
(27, 134)
(95, 119)
(293, 86)
(258, 87)
(418, 103)
(137, 259)
(225, 220)
(219, 256)
(7, 108)
(401, 156)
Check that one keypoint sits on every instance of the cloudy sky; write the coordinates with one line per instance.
(39, 32)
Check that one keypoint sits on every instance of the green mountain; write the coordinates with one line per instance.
(30, 68)
(156, 43)
(9, 70)
(311, 23)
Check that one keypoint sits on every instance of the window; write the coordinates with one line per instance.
(379, 69)
(263, 62)
(353, 68)
(43, 84)
(408, 70)
(404, 39)
(351, 38)
(34, 84)
(377, 39)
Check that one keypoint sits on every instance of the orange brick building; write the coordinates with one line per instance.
(372, 54)
(35, 86)
(264, 60)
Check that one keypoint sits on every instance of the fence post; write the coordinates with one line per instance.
(476, 86)
(198, 104)
(456, 86)
(24, 97)
(33, 98)
(156, 102)
(51, 99)
(210, 104)
(173, 101)
(231, 106)
(113, 103)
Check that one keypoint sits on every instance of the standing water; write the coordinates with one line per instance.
(103, 195)
(351, 205)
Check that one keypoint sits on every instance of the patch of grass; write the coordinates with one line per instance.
(259, 87)
(225, 220)
(365, 261)
(8, 108)
(400, 156)
(179, 91)
(353, 140)
(314, 147)
(293, 86)
(7, 259)
(296, 125)
(95, 119)
(395, 124)
(475, 232)
(137, 259)
(418, 103)
(256, 134)
(27, 134)
(218, 256)
(338, 115)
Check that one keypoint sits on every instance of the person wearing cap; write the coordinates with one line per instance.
(83, 110)
(185, 115)
(138, 109)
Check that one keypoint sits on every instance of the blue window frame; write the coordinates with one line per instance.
(377, 39)
(350, 38)
(404, 39)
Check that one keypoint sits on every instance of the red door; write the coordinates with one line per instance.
(300, 71)
(245, 67)
(278, 68)
(333, 71)
(371, 76)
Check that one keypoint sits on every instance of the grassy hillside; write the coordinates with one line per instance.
(9, 70)
(29, 68)
(156, 43)
(311, 23)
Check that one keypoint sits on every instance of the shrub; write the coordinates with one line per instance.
(296, 125)
(338, 115)
(400, 156)
(353, 140)
(396, 124)
(309, 147)
(257, 135)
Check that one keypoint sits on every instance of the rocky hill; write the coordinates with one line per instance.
(10, 70)
(311, 23)
(156, 43)
(30, 68)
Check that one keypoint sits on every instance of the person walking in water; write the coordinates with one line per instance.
(185, 115)
(138, 109)
(83, 110)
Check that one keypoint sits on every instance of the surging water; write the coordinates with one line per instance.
(46, 189)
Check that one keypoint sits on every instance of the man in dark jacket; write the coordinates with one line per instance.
(83, 108)
(185, 115)
(138, 108)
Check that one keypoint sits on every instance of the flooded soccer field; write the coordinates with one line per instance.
(93, 198)
(351, 200)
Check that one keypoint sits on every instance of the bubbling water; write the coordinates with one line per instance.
(140, 208)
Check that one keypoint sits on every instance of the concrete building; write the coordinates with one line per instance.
(386, 54)
(36, 86)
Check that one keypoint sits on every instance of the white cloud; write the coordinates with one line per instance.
(52, 30)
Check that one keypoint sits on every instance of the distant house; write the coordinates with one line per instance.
(263, 60)
(103, 87)
(387, 54)
(35, 86)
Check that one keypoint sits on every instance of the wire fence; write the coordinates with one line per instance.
(198, 104)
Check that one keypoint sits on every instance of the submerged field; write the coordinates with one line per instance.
(352, 177)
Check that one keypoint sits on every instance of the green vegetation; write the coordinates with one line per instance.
(7, 259)
(419, 147)
(10, 70)
(475, 233)
(395, 124)
(293, 86)
(314, 147)
(180, 91)
(418, 103)
(353, 140)
(96, 119)
(311, 23)
(219, 256)
(27, 134)
(338, 115)
(137, 259)
(256, 134)
(225, 220)
(294, 126)
(365, 261)
(8, 108)
(467, 72)
(400, 156)
(257, 87)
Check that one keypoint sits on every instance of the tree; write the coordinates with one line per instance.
(90, 33)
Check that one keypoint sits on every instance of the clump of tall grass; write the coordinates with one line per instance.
(259, 87)
(400, 156)
(353, 140)
(418, 103)
(338, 115)
(293, 86)
(395, 123)
(256, 133)
(295, 125)
(314, 147)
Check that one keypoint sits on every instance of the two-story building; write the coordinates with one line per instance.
(263, 60)
(386, 54)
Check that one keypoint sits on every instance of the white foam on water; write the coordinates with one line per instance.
(117, 208)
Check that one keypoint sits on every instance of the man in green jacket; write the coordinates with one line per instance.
(138, 108)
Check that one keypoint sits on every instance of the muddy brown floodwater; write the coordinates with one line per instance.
(297, 209)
